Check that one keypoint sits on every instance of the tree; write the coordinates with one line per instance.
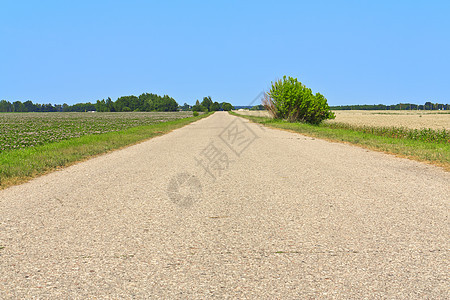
(258, 107)
(29, 106)
(227, 106)
(58, 107)
(132, 102)
(207, 102)
(199, 107)
(19, 106)
(6, 106)
(290, 99)
(185, 107)
(101, 106)
(145, 102)
(110, 104)
(215, 106)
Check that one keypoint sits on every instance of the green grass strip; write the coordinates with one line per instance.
(426, 134)
(21, 165)
(437, 153)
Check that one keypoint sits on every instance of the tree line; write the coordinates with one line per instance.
(400, 106)
(208, 105)
(145, 102)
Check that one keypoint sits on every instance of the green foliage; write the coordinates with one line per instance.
(199, 107)
(290, 99)
(207, 103)
(145, 102)
(79, 107)
(258, 107)
(195, 113)
(215, 106)
(185, 107)
(227, 106)
(400, 106)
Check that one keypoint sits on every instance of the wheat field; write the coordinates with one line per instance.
(404, 118)
(414, 119)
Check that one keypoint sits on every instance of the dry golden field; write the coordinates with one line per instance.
(411, 119)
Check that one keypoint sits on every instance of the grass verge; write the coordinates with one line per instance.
(436, 153)
(21, 165)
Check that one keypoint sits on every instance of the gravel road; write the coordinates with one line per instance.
(229, 209)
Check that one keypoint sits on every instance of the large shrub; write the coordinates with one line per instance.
(289, 99)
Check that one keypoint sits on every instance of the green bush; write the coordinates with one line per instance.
(227, 106)
(195, 113)
(289, 99)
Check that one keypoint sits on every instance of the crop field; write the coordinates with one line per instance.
(24, 130)
(379, 118)
(401, 118)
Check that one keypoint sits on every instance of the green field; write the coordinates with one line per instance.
(33, 144)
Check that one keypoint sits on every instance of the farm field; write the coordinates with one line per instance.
(379, 118)
(24, 130)
(404, 118)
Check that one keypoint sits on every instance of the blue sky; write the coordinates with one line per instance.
(353, 52)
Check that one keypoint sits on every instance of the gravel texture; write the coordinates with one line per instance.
(287, 216)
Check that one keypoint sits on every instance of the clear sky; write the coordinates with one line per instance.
(353, 52)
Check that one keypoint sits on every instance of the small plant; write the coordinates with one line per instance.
(291, 100)
(195, 113)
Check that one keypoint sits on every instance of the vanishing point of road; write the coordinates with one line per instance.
(224, 208)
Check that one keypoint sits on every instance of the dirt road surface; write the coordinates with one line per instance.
(228, 209)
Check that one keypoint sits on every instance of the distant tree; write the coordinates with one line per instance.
(185, 107)
(227, 106)
(145, 102)
(19, 106)
(110, 104)
(258, 107)
(80, 107)
(199, 107)
(215, 106)
(58, 107)
(132, 102)
(101, 106)
(29, 106)
(6, 106)
(48, 108)
(207, 102)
